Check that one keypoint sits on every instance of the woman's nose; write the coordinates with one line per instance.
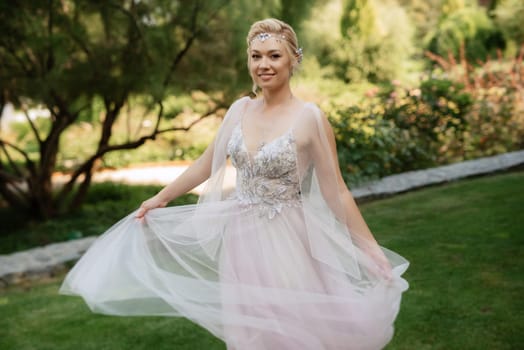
(263, 62)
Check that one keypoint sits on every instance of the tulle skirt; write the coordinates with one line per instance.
(249, 278)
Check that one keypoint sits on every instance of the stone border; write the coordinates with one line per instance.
(47, 260)
(41, 261)
(411, 180)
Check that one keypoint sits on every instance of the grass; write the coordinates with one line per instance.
(465, 241)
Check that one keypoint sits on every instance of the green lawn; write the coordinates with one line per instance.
(465, 242)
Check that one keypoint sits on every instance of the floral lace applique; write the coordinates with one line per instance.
(267, 180)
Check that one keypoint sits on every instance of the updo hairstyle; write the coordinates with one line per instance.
(279, 28)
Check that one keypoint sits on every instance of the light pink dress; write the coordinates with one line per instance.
(266, 265)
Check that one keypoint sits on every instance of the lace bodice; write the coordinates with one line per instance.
(266, 179)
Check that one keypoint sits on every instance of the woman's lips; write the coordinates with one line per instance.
(265, 76)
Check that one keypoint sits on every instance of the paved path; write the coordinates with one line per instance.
(47, 260)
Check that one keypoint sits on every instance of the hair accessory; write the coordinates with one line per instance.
(299, 54)
(264, 36)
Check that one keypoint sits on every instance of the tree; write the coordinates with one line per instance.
(295, 11)
(424, 15)
(377, 41)
(464, 23)
(508, 17)
(68, 54)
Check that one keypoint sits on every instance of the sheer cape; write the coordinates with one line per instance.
(320, 194)
(299, 279)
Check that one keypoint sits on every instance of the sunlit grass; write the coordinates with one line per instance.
(464, 240)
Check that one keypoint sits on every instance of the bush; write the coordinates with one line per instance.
(496, 118)
(432, 115)
(473, 112)
(398, 129)
(366, 143)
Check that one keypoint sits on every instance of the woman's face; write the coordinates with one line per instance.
(269, 63)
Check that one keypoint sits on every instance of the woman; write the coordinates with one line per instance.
(282, 261)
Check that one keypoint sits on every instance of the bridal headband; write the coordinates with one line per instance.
(264, 36)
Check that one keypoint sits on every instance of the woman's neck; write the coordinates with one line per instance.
(274, 98)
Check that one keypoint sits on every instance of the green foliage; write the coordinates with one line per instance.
(321, 35)
(467, 25)
(424, 15)
(508, 17)
(368, 145)
(429, 114)
(443, 120)
(496, 119)
(359, 41)
(92, 64)
(294, 12)
(450, 6)
(399, 129)
(376, 41)
(125, 62)
(358, 17)
(111, 49)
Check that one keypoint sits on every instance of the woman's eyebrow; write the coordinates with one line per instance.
(269, 51)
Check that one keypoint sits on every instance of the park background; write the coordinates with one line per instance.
(407, 84)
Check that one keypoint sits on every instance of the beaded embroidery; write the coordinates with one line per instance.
(267, 179)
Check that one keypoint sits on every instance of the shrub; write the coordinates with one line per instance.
(496, 118)
(366, 143)
(460, 113)
(398, 129)
(431, 115)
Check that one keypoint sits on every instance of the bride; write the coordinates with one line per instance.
(284, 260)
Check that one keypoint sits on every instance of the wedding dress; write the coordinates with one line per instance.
(265, 265)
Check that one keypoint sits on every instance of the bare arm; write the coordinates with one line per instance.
(197, 173)
(338, 196)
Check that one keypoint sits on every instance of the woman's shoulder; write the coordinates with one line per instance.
(236, 109)
(312, 109)
(239, 102)
(312, 114)
(311, 122)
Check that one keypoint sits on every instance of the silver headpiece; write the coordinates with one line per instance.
(299, 54)
(264, 36)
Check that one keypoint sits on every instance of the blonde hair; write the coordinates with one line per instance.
(280, 28)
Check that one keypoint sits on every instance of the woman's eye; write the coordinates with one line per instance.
(255, 56)
(275, 56)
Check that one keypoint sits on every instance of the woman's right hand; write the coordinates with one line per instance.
(152, 203)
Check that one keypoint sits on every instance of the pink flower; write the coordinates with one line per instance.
(372, 92)
(415, 92)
